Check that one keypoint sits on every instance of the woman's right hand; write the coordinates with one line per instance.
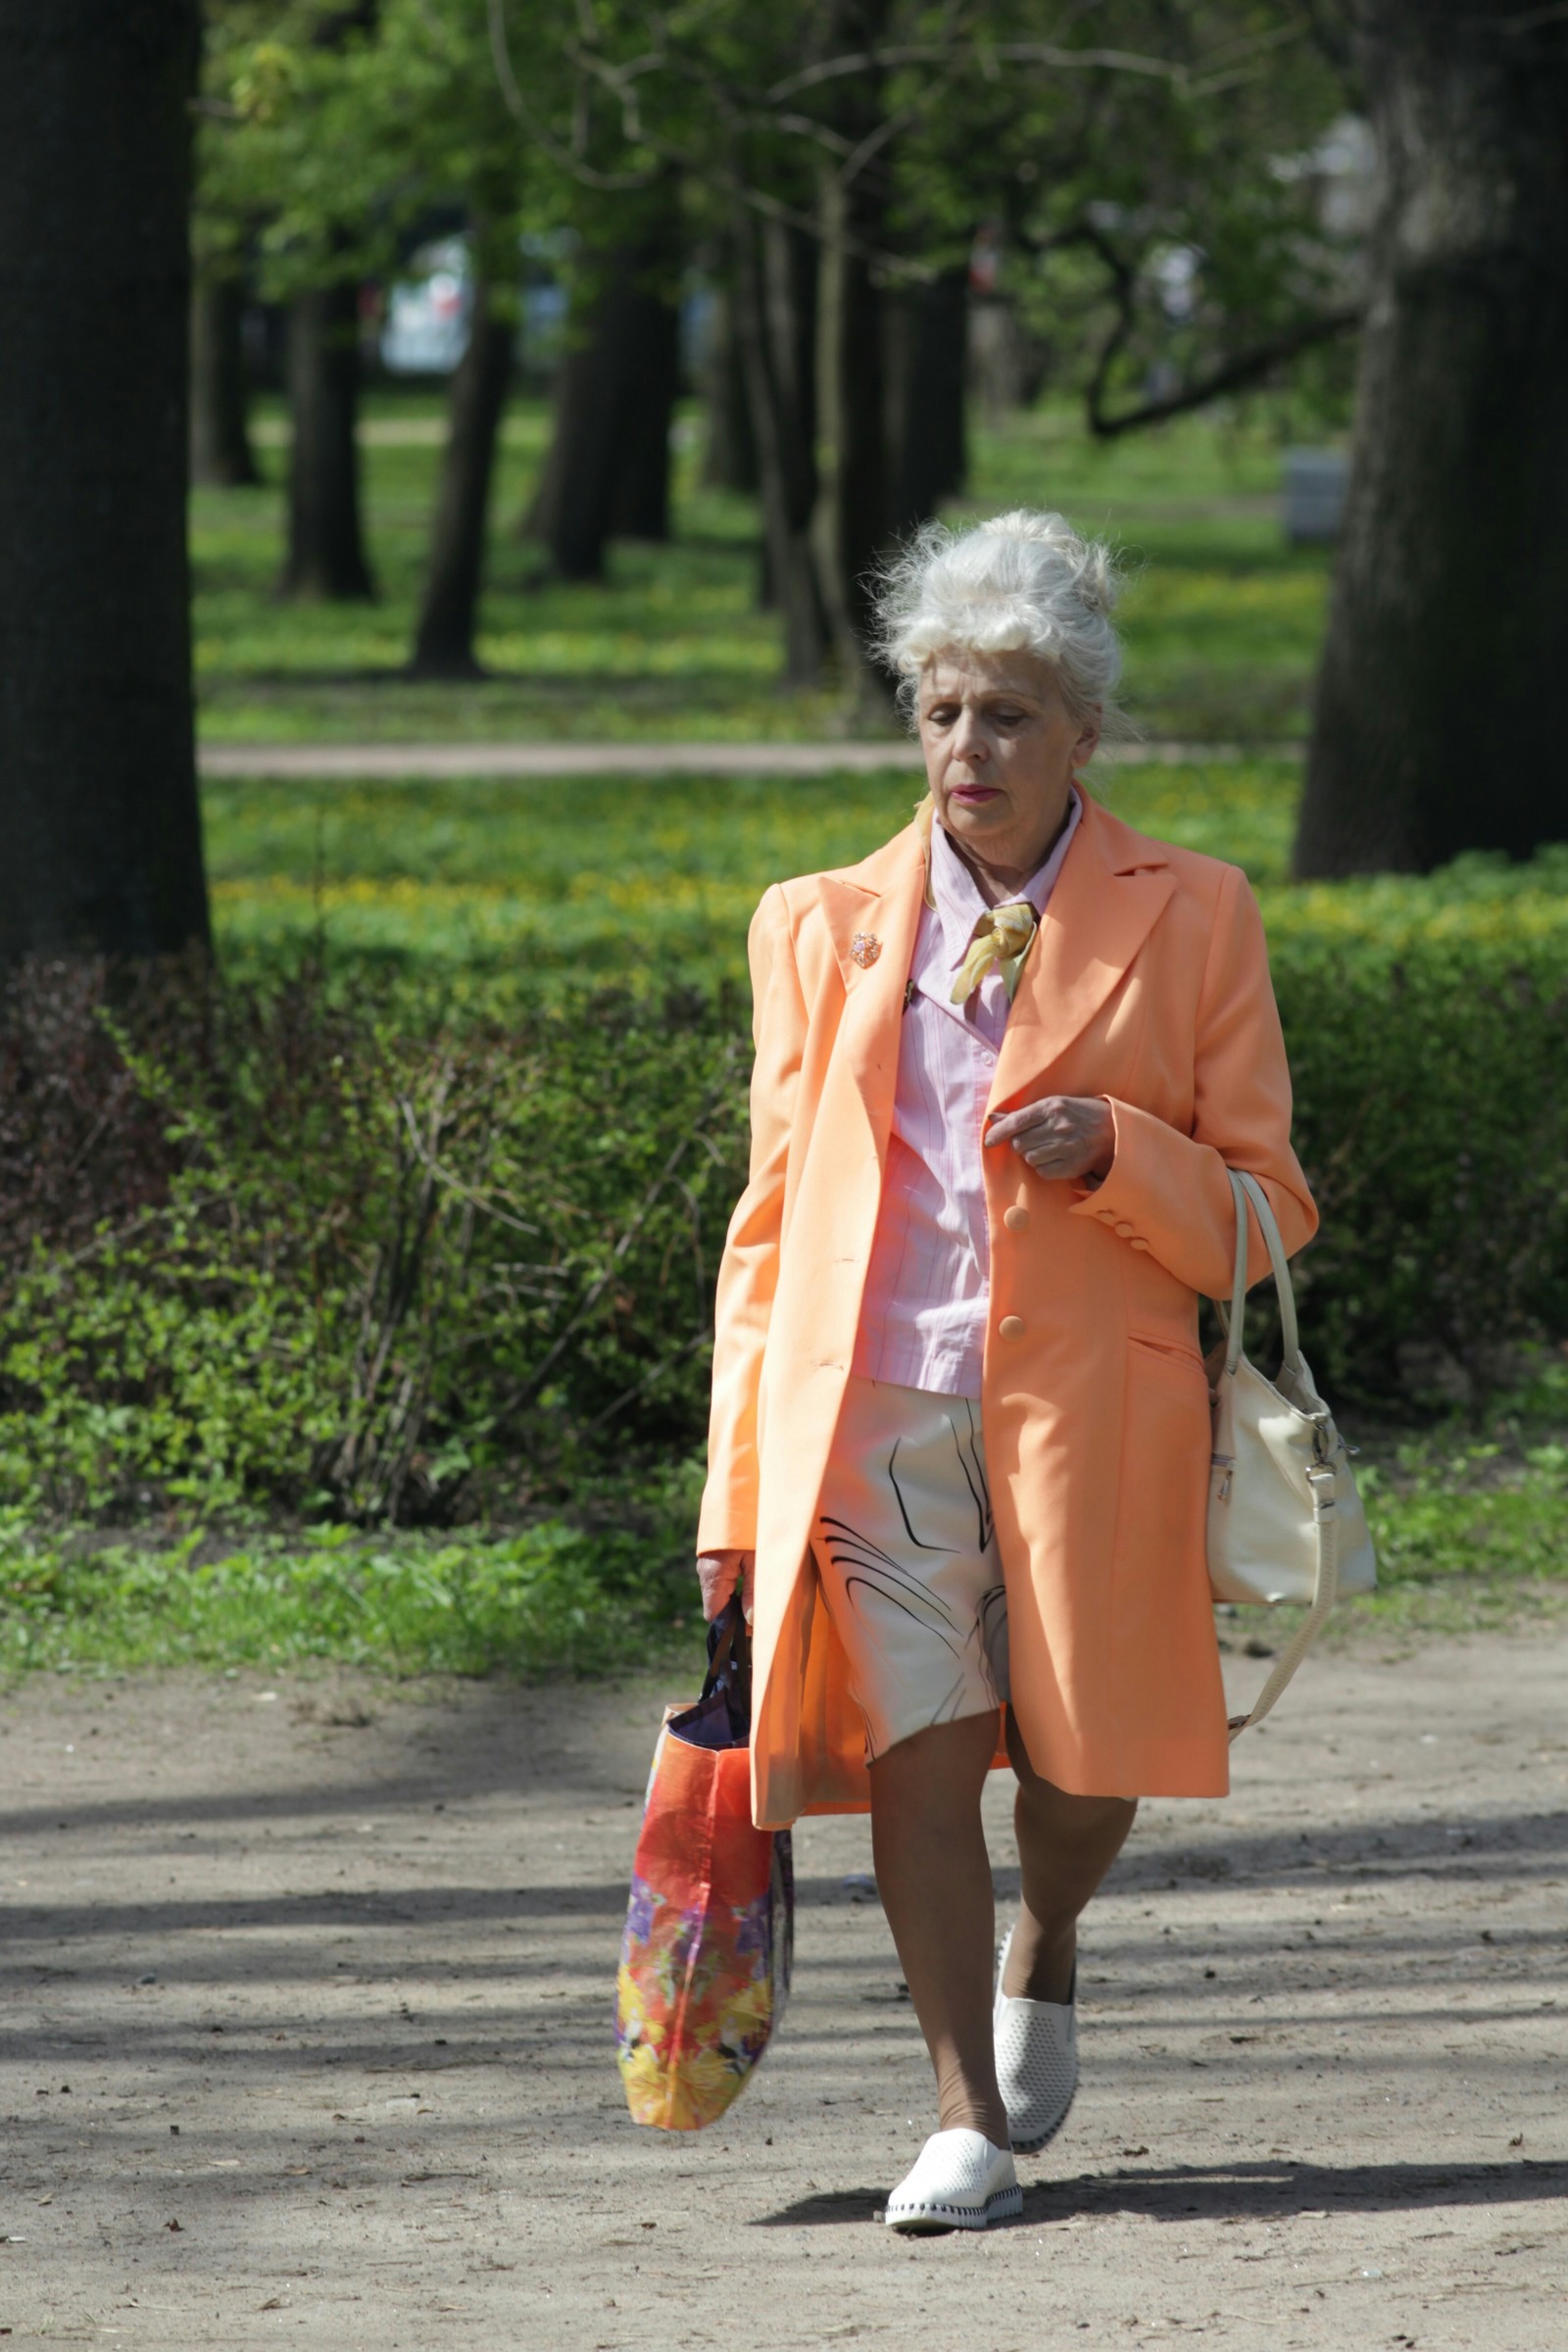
(716, 1573)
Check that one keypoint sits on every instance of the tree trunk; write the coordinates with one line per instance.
(325, 560)
(729, 462)
(774, 327)
(640, 507)
(100, 828)
(853, 523)
(927, 368)
(608, 470)
(1437, 725)
(221, 453)
(444, 642)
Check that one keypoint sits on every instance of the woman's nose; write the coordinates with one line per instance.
(968, 739)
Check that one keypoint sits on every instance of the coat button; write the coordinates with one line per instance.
(1011, 1327)
(1138, 1243)
(1126, 1231)
(1016, 1218)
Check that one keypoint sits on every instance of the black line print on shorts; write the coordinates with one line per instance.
(884, 1581)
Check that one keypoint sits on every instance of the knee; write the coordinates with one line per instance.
(1089, 1819)
(1066, 1815)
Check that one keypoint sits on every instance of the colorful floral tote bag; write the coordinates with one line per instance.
(705, 1962)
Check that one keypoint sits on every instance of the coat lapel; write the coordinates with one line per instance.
(1111, 891)
(878, 907)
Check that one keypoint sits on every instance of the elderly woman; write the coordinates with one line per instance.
(960, 1440)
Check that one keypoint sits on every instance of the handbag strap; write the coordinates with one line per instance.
(729, 1664)
(1324, 1482)
(1245, 1189)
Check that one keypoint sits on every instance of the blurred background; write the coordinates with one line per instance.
(447, 446)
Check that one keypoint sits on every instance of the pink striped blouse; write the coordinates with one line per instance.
(923, 1312)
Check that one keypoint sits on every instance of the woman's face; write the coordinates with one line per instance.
(1001, 751)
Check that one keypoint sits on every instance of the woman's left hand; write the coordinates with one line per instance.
(1061, 1136)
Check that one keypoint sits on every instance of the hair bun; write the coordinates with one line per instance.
(1090, 562)
(1098, 581)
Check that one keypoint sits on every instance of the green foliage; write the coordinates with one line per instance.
(414, 1258)
(417, 1216)
(1428, 1027)
(393, 1265)
(328, 131)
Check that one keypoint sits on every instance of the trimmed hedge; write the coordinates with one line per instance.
(323, 1247)
(1428, 1033)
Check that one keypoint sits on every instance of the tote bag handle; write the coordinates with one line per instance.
(1245, 1189)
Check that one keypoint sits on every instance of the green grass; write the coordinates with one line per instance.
(1466, 1540)
(650, 882)
(606, 1587)
(1222, 620)
(643, 881)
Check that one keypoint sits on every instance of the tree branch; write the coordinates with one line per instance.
(1244, 368)
(501, 57)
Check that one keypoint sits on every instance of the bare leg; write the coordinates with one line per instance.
(933, 1873)
(1065, 1847)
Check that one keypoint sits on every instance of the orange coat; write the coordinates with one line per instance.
(1148, 983)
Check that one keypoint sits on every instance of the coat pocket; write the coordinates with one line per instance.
(1163, 1475)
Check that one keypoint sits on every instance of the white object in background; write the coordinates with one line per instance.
(426, 330)
(1314, 493)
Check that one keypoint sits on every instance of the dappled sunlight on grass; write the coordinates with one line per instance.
(648, 881)
(1222, 616)
(654, 881)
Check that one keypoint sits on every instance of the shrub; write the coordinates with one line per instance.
(1428, 1033)
(374, 1263)
(353, 1251)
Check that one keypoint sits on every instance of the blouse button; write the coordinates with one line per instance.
(1011, 1327)
(1016, 1218)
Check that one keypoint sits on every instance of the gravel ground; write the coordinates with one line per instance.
(307, 2039)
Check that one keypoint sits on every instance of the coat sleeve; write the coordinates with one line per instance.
(748, 1274)
(1168, 1191)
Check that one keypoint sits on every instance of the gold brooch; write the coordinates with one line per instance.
(865, 948)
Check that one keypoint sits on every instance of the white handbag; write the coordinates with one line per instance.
(1285, 1521)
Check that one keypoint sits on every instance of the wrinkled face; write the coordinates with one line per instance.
(1001, 751)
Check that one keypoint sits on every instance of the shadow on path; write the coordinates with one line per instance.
(1234, 2192)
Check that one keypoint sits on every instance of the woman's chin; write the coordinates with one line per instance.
(973, 819)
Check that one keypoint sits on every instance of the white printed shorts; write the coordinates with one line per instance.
(907, 1555)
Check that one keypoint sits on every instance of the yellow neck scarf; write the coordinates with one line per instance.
(1003, 938)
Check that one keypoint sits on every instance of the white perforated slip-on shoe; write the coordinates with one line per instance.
(960, 2181)
(1036, 2062)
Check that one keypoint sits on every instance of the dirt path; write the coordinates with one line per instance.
(307, 2041)
(416, 763)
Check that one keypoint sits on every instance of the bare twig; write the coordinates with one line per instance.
(516, 106)
(1246, 368)
(666, 1176)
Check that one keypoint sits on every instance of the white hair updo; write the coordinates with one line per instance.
(1024, 582)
